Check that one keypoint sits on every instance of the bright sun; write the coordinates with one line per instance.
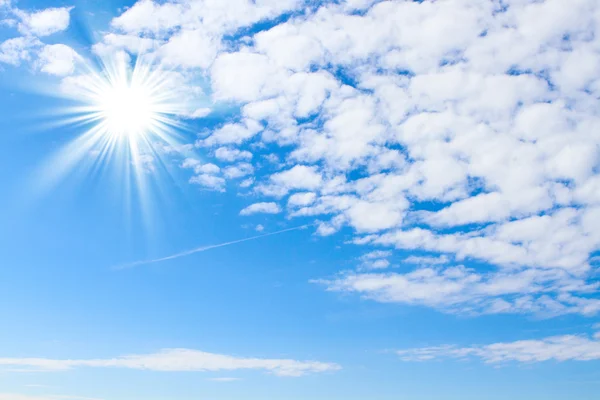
(131, 113)
(127, 108)
(125, 103)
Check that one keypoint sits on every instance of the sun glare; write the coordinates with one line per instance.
(127, 109)
(129, 115)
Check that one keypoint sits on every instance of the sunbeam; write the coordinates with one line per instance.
(127, 113)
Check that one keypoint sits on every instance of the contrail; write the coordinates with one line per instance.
(204, 248)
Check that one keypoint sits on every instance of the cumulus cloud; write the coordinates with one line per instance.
(210, 182)
(171, 360)
(556, 348)
(462, 128)
(16, 50)
(261, 208)
(44, 22)
(57, 59)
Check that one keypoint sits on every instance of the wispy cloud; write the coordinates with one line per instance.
(557, 348)
(176, 360)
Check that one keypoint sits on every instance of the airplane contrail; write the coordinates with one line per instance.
(204, 248)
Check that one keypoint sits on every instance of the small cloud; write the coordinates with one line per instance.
(259, 228)
(264, 208)
(224, 379)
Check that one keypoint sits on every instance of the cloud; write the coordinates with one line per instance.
(461, 128)
(263, 208)
(16, 50)
(301, 199)
(210, 182)
(425, 260)
(57, 59)
(45, 22)
(175, 360)
(238, 171)
(224, 379)
(556, 348)
(230, 154)
(457, 289)
(298, 177)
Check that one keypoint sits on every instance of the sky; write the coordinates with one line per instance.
(293, 199)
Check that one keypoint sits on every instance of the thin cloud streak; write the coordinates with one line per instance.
(204, 248)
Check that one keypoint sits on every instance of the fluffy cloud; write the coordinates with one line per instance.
(462, 128)
(207, 181)
(57, 59)
(177, 360)
(14, 51)
(45, 22)
(261, 208)
(556, 348)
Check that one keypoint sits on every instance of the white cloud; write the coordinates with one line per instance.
(171, 360)
(199, 167)
(556, 348)
(457, 289)
(210, 182)
(425, 260)
(177, 50)
(261, 208)
(301, 199)
(259, 228)
(298, 177)
(233, 133)
(459, 127)
(44, 22)
(224, 379)
(376, 254)
(231, 154)
(14, 51)
(238, 171)
(57, 59)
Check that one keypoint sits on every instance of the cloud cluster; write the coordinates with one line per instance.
(172, 360)
(57, 59)
(466, 130)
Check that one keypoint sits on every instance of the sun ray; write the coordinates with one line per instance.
(124, 110)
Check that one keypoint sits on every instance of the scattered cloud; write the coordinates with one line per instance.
(556, 348)
(261, 208)
(457, 289)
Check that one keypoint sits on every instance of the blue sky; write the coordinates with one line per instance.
(284, 199)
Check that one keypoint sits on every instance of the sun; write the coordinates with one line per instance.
(129, 115)
(127, 108)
